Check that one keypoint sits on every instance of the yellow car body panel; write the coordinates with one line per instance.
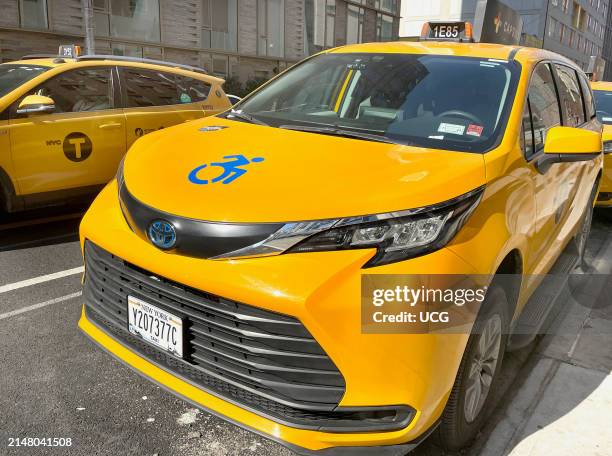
(606, 181)
(297, 181)
(309, 174)
(35, 163)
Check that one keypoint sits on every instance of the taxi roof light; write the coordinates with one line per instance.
(69, 51)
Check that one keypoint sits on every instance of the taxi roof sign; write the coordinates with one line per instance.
(447, 31)
(69, 51)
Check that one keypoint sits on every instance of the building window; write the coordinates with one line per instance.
(320, 21)
(220, 24)
(386, 5)
(384, 27)
(131, 19)
(128, 50)
(220, 65)
(271, 28)
(354, 24)
(33, 14)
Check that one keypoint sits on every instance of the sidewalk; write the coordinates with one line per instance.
(561, 401)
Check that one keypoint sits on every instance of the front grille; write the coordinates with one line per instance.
(605, 196)
(258, 359)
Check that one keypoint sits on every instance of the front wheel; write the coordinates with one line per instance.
(584, 231)
(478, 377)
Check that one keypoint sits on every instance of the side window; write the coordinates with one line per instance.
(147, 88)
(79, 90)
(589, 100)
(542, 111)
(571, 96)
(191, 90)
(527, 134)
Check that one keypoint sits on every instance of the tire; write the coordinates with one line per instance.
(463, 416)
(582, 236)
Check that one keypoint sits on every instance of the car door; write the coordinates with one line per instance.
(79, 144)
(542, 112)
(158, 99)
(573, 186)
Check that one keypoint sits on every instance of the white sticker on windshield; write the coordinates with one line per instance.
(451, 128)
(606, 119)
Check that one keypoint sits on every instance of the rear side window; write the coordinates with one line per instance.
(145, 88)
(589, 100)
(571, 96)
(191, 90)
(542, 111)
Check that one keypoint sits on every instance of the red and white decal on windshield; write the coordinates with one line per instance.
(474, 130)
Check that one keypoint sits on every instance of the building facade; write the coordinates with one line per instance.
(606, 52)
(249, 39)
(573, 28)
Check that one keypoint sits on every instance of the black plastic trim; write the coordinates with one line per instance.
(546, 160)
(195, 238)
(9, 201)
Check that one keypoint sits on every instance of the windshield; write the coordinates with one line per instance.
(603, 102)
(442, 102)
(12, 76)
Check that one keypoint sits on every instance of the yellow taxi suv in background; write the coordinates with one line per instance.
(65, 123)
(603, 100)
(225, 261)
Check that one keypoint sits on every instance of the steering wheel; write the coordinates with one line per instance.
(455, 112)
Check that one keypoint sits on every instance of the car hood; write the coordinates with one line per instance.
(291, 175)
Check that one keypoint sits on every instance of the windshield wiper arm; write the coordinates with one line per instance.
(246, 117)
(340, 132)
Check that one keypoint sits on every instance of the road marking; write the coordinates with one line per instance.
(40, 221)
(40, 305)
(40, 279)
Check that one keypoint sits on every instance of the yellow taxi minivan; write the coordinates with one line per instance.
(225, 261)
(603, 101)
(65, 123)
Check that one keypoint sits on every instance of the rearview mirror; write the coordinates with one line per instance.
(36, 104)
(567, 144)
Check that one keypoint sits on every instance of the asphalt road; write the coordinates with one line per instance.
(55, 383)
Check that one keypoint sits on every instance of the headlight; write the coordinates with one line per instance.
(607, 147)
(397, 236)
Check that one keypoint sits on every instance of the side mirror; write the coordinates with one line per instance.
(567, 144)
(36, 104)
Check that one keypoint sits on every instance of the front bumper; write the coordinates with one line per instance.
(322, 291)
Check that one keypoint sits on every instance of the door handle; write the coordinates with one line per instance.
(108, 126)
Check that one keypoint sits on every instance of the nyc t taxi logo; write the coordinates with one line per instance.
(232, 168)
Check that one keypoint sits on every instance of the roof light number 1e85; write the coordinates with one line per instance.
(446, 30)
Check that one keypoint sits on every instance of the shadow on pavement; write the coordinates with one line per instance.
(561, 389)
(41, 227)
(547, 380)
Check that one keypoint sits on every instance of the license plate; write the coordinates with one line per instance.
(155, 325)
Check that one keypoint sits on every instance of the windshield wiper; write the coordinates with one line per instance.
(246, 117)
(340, 132)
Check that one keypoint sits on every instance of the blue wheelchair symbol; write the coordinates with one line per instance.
(232, 169)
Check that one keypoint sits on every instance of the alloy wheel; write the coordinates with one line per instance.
(482, 367)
